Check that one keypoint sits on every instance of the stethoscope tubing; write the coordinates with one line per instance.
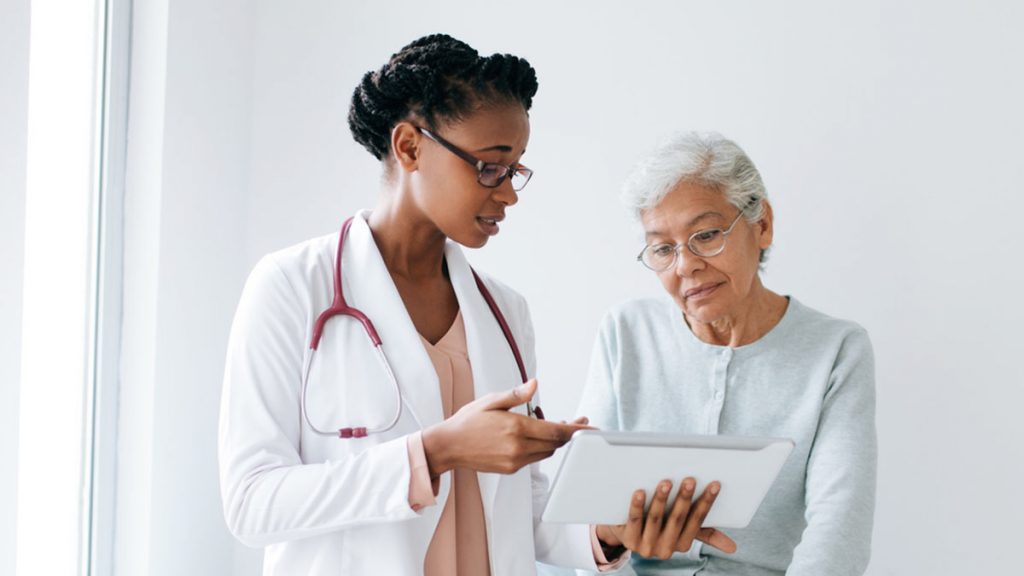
(339, 307)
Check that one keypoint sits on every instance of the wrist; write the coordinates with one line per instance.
(606, 536)
(434, 445)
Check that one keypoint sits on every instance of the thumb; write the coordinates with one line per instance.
(506, 400)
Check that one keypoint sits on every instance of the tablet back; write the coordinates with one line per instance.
(601, 470)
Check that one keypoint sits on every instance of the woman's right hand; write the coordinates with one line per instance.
(484, 436)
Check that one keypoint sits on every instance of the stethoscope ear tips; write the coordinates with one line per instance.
(538, 413)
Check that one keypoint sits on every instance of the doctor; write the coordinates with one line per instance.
(417, 456)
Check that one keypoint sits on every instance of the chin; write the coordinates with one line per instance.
(704, 312)
(471, 240)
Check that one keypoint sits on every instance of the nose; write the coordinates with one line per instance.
(687, 262)
(505, 194)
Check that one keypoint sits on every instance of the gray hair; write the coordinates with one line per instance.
(704, 158)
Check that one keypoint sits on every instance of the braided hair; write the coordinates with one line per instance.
(434, 79)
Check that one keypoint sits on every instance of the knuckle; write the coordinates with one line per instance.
(677, 514)
(518, 426)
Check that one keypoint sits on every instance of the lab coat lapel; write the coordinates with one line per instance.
(492, 362)
(368, 286)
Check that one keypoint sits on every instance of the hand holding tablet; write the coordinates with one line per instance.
(666, 529)
(602, 472)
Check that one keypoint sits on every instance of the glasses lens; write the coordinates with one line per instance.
(707, 242)
(659, 257)
(492, 175)
(520, 177)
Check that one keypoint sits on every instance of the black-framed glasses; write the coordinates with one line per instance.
(489, 174)
(703, 243)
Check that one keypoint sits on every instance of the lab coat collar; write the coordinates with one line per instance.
(368, 286)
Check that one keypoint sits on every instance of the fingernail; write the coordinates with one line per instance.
(688, 486)
(523, 387)
(638, 497)
(664, 488)
(714, 488)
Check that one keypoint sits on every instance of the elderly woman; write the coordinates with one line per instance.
(723, 354)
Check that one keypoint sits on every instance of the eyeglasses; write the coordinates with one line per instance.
(702, 243)
(489, 174)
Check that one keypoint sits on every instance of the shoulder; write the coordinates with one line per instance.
(641, 315)
(291, 272)
(812, 330)
(305, 257)
(299, 263)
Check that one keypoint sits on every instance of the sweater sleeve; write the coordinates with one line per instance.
(600, 401)
(269, 494)
(841, 469)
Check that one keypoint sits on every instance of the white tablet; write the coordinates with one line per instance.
(601, 470)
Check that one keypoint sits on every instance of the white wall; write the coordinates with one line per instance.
(184, 267)
(886, 132)
(14, 33)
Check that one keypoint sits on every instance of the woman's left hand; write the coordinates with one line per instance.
(660, 535)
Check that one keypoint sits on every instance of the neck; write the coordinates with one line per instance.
(752, 319)
(411, 245)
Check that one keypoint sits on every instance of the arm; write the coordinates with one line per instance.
(269, 494)
(841, 470)
(600, 400)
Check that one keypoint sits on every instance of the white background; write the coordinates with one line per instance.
(887, 133)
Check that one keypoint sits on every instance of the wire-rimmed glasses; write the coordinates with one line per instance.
(702, 243)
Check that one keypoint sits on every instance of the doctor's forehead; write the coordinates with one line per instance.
(503, 128)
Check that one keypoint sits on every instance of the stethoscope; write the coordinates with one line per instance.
(339, 307)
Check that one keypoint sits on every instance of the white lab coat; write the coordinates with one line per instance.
(330, 506)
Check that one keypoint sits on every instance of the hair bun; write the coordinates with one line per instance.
(434, 78)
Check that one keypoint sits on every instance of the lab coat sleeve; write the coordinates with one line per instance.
(269, 495)
(841, 470)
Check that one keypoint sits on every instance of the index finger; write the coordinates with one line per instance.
(556, 432)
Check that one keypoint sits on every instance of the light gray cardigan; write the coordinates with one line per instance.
(811, 378)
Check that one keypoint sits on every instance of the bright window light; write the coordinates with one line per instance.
(53, 478)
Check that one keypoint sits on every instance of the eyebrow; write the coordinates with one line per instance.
(500, 148)
(691, 223)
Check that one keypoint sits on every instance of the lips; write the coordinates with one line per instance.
(490, 223)
(701, 291)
